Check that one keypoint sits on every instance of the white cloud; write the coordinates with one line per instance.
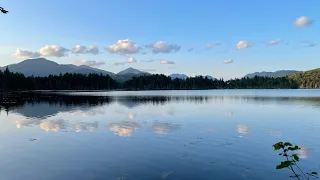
(129, 61)
(88, 63)
(244, 44)
(228, 61)
(303, 21)
(163, 47)
(79, 49)
(93, 50)
(274, 42)
(166, 62)
(210, 45)
(54, 51)
(21, 54)
(132, 60)
(124, 47)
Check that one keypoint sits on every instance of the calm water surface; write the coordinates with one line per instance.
(178, 135)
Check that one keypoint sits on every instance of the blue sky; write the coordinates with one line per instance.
(177, 26)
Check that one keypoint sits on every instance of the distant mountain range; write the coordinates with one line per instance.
(183, 76)
(275, 74)
(178, 76)
(44, 67)
(132, 71)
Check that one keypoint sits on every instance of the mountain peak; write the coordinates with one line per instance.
(178, 76)
(44, 67)
(279, 73)
(131, 70)
(38, 61)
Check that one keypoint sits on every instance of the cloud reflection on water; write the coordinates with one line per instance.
(304, 153)
(131, 116)
(26, 122)
(243, 130)
(86, 126)
(53, 125)
(124, 128)
(163, 128)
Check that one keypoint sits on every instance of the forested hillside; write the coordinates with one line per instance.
(200, 82)
(10, 81)
(307, 79)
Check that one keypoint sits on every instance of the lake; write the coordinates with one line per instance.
(147, 135)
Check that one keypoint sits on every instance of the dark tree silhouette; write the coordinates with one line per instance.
(10, 81)
(3, 10)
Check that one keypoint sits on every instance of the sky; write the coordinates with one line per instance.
(221, 38)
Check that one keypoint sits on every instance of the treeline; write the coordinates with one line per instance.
(307, 79)
(200, 82)
(10, 81)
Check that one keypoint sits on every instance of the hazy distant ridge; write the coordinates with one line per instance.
(44, 67)
(275, 74)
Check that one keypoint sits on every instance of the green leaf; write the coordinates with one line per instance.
(295, 157)
(294, 148)
(314, 173)
(278, 146)
(287, 144)
(284, 164)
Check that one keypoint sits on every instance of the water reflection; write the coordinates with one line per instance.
(86, 126)
(228, 113)
(243, 130)
(275, 132)
(124, 128)
(53, 125)
(304, 153)
(41, 105)
(163, 128)
(131, 116)
(177, 129)
(26, 122)
(87, 112)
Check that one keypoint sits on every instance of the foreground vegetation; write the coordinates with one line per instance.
(288, 151)
(10, 81)
(3, 10)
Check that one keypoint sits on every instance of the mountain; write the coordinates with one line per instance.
(210, 77)
(128, 74)
(178, 76)
(132, 71)
(276, 74)
(307, 79)
(44, 67)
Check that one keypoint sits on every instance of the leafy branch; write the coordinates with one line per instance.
(291, 160)
(3, 10)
